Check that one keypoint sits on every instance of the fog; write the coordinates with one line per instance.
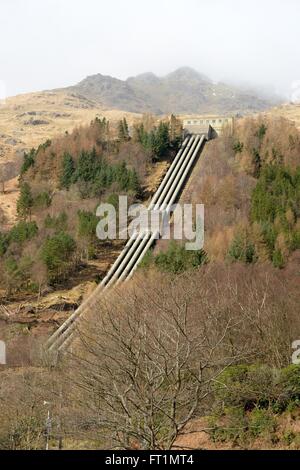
(52, 43)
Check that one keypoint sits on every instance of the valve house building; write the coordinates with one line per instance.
(200, 124)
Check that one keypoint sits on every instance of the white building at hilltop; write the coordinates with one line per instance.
(200, 124)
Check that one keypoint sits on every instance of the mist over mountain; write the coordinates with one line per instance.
(183, 91)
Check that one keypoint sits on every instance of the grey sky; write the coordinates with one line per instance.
(51, 43)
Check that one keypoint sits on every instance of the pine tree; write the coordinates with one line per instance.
(139, 133)
(57, 253)
(260, 244)
(134, 184)
(256, 161)
(126, 129)
(175, 132)
(242, 248)
(278, 259)
(29, 160)
(25, 202)
(123, 131)
(161, 142)
(68, 171)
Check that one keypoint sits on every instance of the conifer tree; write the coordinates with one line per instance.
(68, 171)
(25, 202)
(126, 129)
(123, 131)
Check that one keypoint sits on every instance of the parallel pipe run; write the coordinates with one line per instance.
(144, 241)
(118, 260)
(146, 248)
(65, 326)
(64, 339)
(63, 346)
(170, 170)
(178, 188)
(169, 181)
(124, 263)
(138, 244)
(179, 174)
(66, 336)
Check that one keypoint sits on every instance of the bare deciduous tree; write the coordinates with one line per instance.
(144, 369)
(8, 170)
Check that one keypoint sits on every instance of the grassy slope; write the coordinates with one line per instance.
(59, 112)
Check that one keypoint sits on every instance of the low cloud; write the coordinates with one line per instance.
(295, 94)
(2, 92)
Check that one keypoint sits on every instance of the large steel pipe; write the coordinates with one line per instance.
(118, 260)
(178, 175)
(126, 260)
(170, 180)
(184, 175)
(167, 175)
(146, 248)
(134, 258)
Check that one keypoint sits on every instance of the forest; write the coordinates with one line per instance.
(62, 183)
(202, 345)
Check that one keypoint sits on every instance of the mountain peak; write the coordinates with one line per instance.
(146, 76)
(183, 91)
(187, 73)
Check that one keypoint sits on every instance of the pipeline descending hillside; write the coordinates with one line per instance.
(138, 245)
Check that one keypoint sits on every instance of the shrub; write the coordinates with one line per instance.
(261, 421)
(87, 225)
(57, 252)
(18, 272)
(261, 131)
(242, 248)
(247, 386)
(290, 383)
(177, 259)
(238, 147)
(42, 200)
(232, 427)
(289, 437)
(4, 242)
(58, 223)
(23, 231)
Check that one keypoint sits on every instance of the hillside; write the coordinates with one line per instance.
(51, 260)
(28, 120)
(180, 92)
(290, 111)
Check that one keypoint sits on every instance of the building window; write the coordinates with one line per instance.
(214, 121)
(189, 122)
(195, 122)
